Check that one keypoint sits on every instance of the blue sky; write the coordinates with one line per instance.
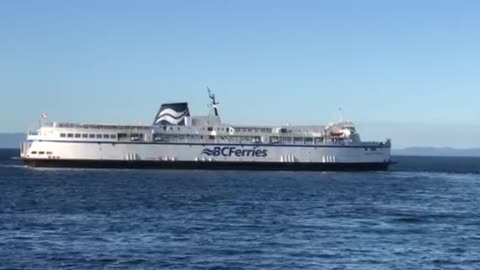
(409, 70)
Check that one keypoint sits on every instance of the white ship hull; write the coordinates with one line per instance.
(207, 156)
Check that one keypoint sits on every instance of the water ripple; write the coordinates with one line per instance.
(90, 219)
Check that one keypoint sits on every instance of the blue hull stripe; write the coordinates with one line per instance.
(224, 144)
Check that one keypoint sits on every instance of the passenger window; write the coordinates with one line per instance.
(49, 153)
(70, 135)
(77, 135)
(113, 136)
(134, 137)
(84, 135)
(99, 136)
(34, 152)
(62, 135)
(41, 152)
(106, 136)
(91, 136)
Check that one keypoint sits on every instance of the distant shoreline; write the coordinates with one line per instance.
(437, 152)
(431, 156)
(12, 141)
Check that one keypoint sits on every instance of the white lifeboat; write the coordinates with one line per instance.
(341, 133)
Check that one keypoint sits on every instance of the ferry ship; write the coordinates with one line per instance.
(177, 140)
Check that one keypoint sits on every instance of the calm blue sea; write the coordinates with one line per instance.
(423, 214)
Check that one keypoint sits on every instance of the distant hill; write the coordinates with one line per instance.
(437, 151)
(11, 140)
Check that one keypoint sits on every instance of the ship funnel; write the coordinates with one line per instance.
(172, 114)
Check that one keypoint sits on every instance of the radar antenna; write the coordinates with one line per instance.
(340, 114)
(214, 103)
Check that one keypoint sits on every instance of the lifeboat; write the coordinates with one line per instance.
(341, 133)
(336, 133)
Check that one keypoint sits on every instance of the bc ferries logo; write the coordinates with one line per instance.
(228, 151)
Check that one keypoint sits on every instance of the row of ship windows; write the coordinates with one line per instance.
(88, 136)
(228, 129)
(41, 152)
(165, 128)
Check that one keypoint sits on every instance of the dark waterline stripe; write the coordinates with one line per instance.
(221, 144)
(207, 165)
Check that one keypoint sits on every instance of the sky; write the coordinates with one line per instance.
(406, 70)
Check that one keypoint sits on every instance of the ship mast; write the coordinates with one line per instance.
(214, 103)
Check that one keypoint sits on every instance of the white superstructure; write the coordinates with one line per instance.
(178, 140)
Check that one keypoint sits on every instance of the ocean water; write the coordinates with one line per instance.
(422, 214)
